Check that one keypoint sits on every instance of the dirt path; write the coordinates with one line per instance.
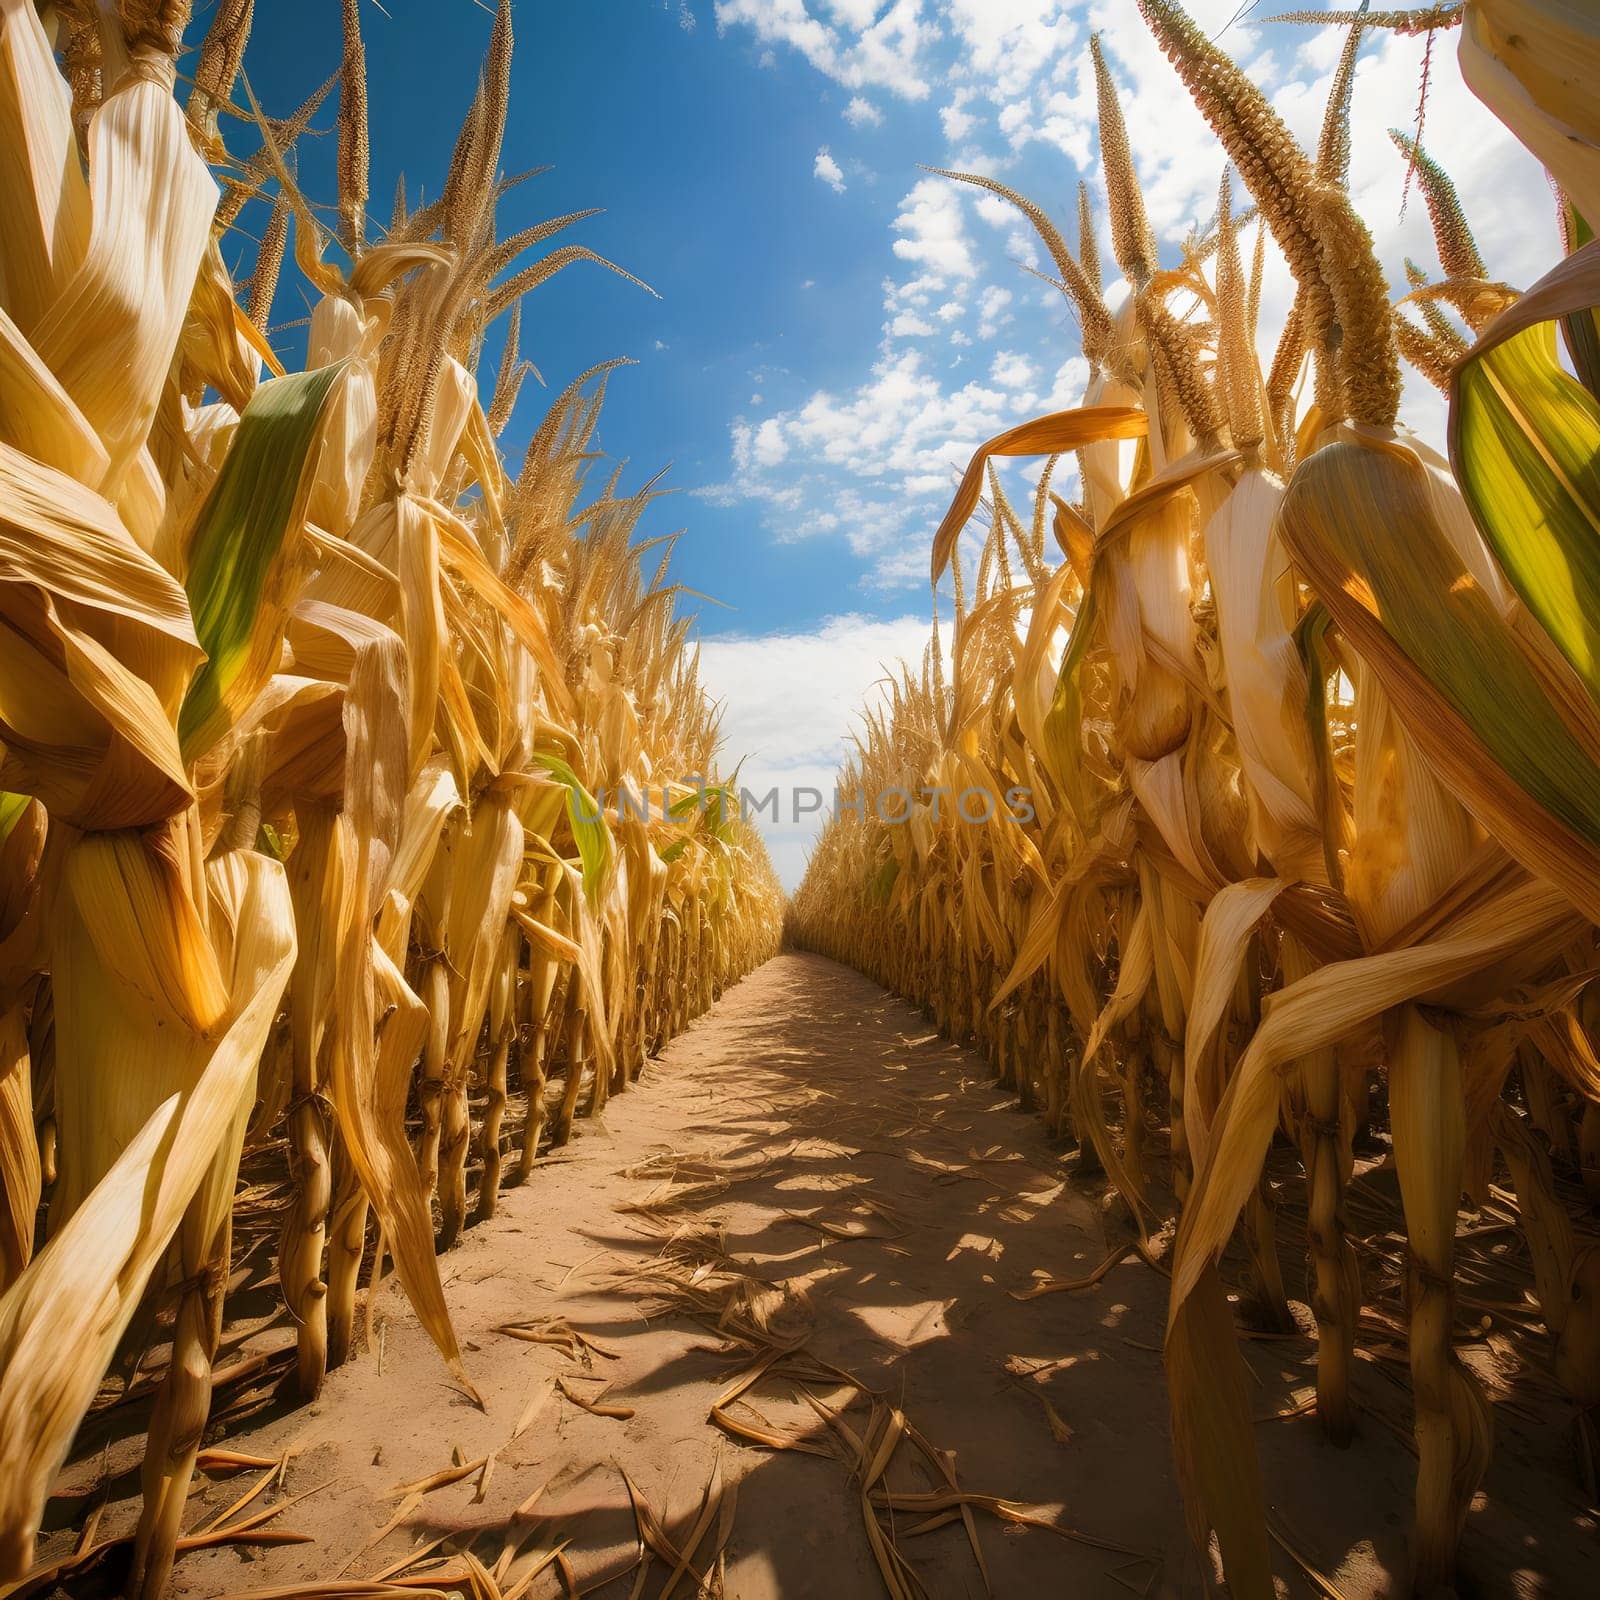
(852, 1196)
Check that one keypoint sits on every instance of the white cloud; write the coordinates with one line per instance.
(1068, 385)
(829, 171)
(769, 446)
(762, 445)
(861, 113)
(1022, 245)
(996, 212)
(660, 345)
(933, 231)
(857, 14)
(870, 457)
(790, 700)
(877, 463)
(1013, 120)
(1021, 241)
(918, 291)
(1005, 44)
(872, 52)
(898, 424)
(957, 121)
(1013, 371)
(1008, 43)
(908, 325)
(992, 312)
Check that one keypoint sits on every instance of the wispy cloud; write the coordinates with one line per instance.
(858, 49)
(871, 458)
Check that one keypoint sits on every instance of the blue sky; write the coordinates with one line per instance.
(837, 329)
(702, 159)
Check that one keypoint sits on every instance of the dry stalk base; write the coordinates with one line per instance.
(811, 1093)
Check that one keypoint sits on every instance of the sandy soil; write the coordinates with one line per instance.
(855, 1202)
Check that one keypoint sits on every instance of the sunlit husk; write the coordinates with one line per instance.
(314, 620)
(1309, 737)
(180, 1119)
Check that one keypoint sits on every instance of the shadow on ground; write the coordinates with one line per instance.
(811, 1169)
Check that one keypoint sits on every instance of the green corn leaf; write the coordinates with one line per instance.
(718, 808)
(715, 794)
(11, 808)
(242, 556)
(1581, 329)
(589, 829)
(1525, 446)
(881, 884)
(1359, 522)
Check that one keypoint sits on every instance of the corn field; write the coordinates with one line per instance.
(305, 696)
(1246, 813)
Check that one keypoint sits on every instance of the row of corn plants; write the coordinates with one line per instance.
(1308, 721)
(307, 703)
